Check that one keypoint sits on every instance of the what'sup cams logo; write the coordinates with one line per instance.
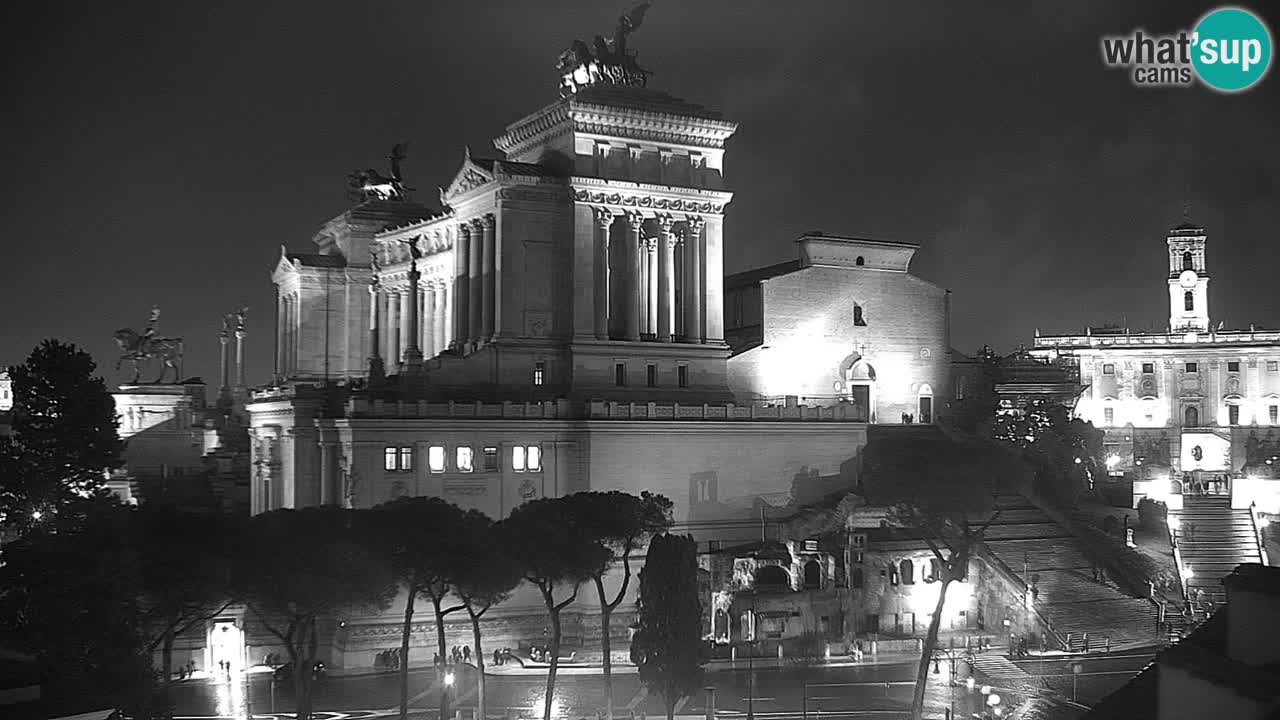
(1229, 51)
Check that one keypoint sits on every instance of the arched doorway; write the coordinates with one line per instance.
(1191, 416)
(720, 624)
(925, 404)
(860, 386)
(772, 577)
(812, 575)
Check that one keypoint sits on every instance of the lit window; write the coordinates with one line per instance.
(517, 458)
(435, 458)
(1109, 369)
(859, 540)
(1108, 416)
(464, 459)
(651, 375)
(1188, 301)
(1272, 412)
(1148, 368)
(539, 370)
(406, 459)
(1233, 414)
(682, 376)
(1192, 367)
(533, 458)
(960, 388)
(1273, 366)
(811, 546)
(620, 374)
(907, 573)
(490, 459)
(1233, 366)
(389, 459)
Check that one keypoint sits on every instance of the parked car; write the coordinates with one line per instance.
(285, 671)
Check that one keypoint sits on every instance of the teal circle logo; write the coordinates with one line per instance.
(1231, 49)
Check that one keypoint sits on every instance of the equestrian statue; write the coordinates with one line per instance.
(369, 184)
(137, 347)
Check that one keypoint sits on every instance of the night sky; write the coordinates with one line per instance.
(161, 152)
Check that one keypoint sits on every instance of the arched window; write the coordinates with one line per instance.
(1188, 261)
(859, 262)
(857, 316)
(812, 575)
(1191, 417)
(1188, 301)
(907, 572)
(772, 577)
(935, 570)
(857, 578)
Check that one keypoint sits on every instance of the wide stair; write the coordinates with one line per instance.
(1212, 540)
(1033, 546)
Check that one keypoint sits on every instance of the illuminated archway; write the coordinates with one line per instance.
(924, 404)
(860, 385)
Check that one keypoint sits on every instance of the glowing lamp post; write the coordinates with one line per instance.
(448, 683)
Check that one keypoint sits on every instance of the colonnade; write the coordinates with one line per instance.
(649, 282)
(391, 316)
(287, 308)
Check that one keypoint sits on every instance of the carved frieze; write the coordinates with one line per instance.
(542, 194)
(465, 489)
(648, 202)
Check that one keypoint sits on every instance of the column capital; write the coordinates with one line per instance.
(464, 228)
(488, 221)
(635, 220)
(667, 224)
(694, 222)
(604, 217)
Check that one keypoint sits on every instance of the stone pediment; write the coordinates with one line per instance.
(469, 177)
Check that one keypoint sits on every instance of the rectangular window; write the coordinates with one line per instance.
(651, 375)
(463, 457)
(406, 459)
(960, 388)
(1108, 369)
(1148, 368)
(1273, 366)
(811, 546)
(517, 458)
(490, 459)
(1272, 413)
(1233, 366)
(857, 557)
(1108, 416)
(533, 458)
(389, 459)
(859, 540)
(1192, 368)
(539, 370)
(620, 374)
(1233, 414)
(682, 376)
(435, 458)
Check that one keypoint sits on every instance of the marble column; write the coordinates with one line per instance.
(428, 332)
(475, 280)
(412, 333)
(393, 327)
(634, 223)
(693, 325)
(224, 373)
(376, 369)
(446, 320)
(240, 333)
(439, 340)
(651, 291)
(461, 286)
(642, 284)
(604, 220)
(666, 277)
(280, 327)
(489, 265)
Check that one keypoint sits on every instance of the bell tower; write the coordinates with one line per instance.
(1188, 279)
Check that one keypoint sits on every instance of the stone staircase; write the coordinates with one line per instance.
(1212, 540)
(1031, 544)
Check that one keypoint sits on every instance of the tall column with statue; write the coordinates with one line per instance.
(377, 371)
(412, 359)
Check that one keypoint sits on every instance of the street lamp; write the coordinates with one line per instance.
(448, 683)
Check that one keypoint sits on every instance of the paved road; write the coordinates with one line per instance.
(1100, 675)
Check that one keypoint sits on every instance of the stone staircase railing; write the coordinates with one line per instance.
(1257, 533)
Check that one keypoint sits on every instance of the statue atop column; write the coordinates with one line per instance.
(369, 184)
(137, 347)
(605, 61)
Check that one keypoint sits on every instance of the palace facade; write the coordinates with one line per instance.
(1194, 402)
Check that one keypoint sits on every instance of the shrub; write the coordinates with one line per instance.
(1152, 514)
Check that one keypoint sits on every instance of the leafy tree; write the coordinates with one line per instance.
(621, 523)
(68, 596)
(184, 578)
(1063, 451)
(554, 546)
(298, 566)
(63, 436)
(423, 538)
(487, 574)
(935, 486)
(667, 646)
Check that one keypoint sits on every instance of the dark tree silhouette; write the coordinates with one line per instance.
(940, 488)
(557, 552)
(487, 574)
(63, 436)
(621, 523)
(295, 567)
(1064, 452)
(184, 579)
(423, 539)
(667, 646)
